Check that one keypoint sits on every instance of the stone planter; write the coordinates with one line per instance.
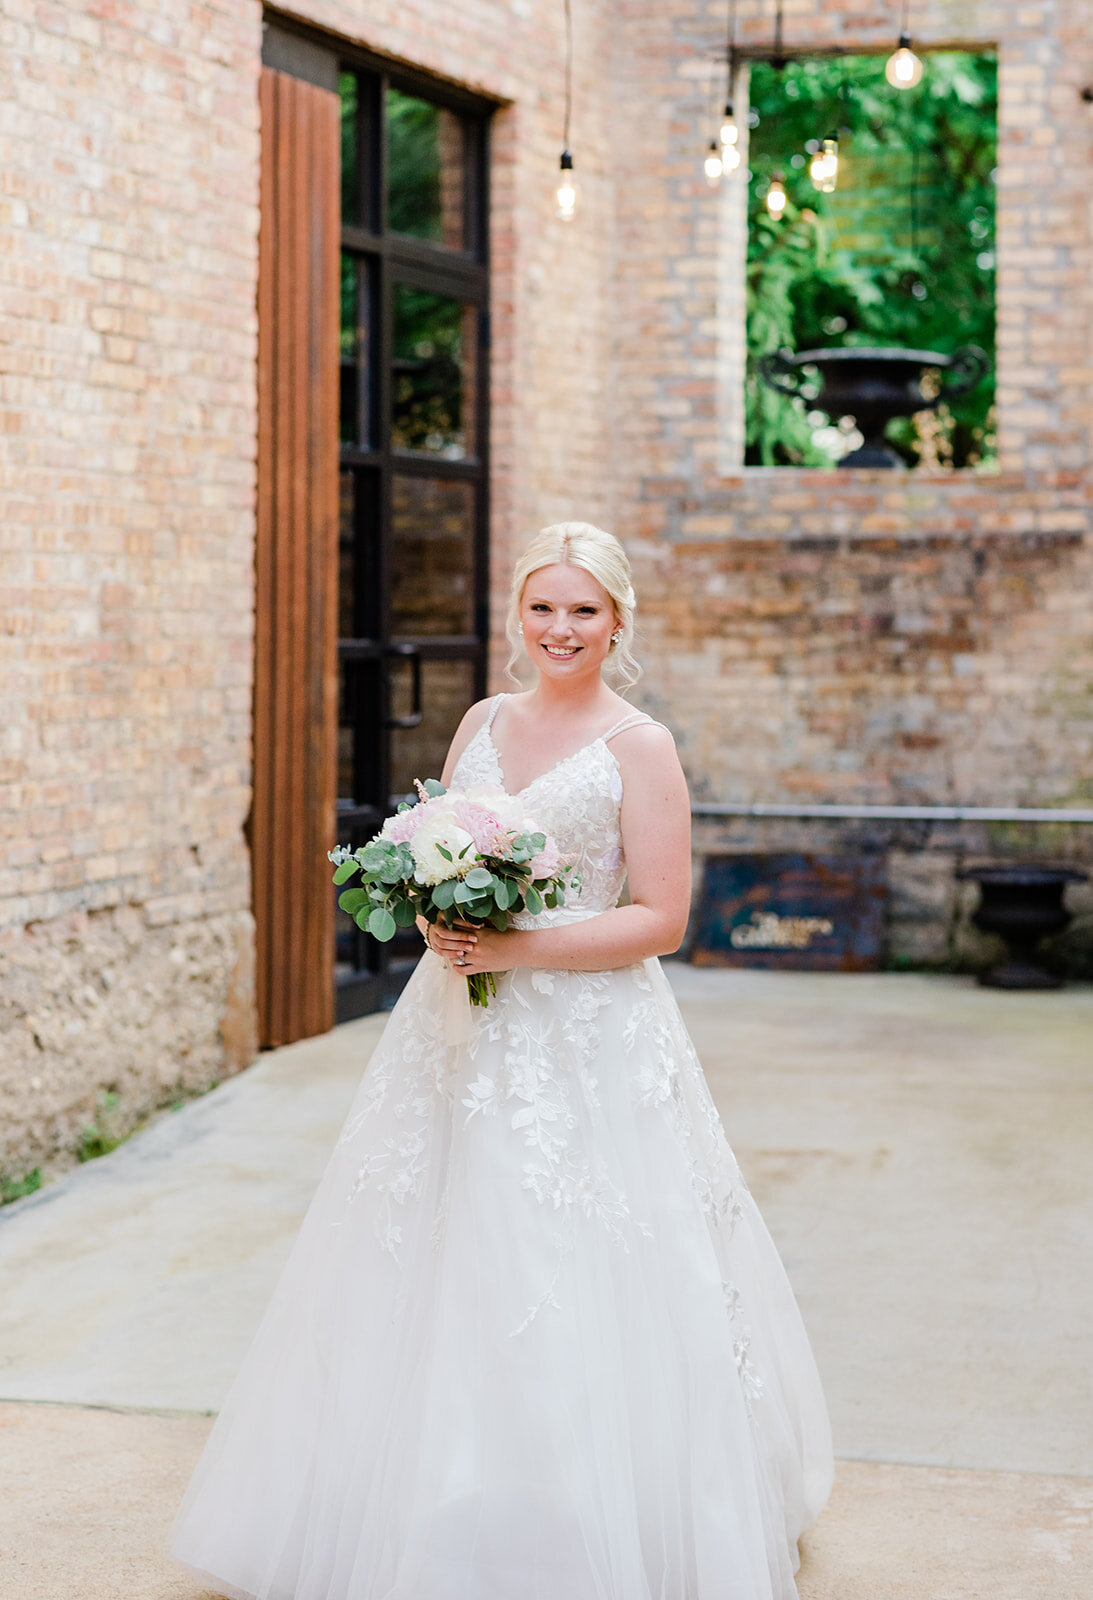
(1023, 905)
(872, 386)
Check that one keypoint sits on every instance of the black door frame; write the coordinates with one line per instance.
(373, 653)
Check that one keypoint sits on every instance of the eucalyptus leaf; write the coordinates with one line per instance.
(351, 900)
(533, 900)
(381, 924)
(479, 878)
(433, 788)
(343, 873)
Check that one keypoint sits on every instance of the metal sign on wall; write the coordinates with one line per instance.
(801, 912)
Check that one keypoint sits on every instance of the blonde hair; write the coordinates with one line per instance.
(581, 545)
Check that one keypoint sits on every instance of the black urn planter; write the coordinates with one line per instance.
(1023, 904)
(872, 386)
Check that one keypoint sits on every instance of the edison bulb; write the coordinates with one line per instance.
(712, 165)
(824, 170)
(730, 158)
(903, 69)
(730, 133)
(565, 199)
(565, 195)
(776, 197)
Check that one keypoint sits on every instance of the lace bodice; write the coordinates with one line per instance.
(578, 803)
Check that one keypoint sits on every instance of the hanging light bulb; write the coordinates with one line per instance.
(712, 165)
(903, 69)
(730, 142)
(776, 196)
(566, 194)
(824, 168)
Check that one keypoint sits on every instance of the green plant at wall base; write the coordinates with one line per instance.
(18, 1188)
(901, 254)
(100, 1137)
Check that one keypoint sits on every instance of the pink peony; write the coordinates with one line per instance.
(400, 828)
(489, 834)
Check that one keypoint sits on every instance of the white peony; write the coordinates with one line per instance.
(433, 831)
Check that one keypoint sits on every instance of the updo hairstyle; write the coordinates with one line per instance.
(581, 545)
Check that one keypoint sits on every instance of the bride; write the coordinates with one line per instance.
(534, 1341)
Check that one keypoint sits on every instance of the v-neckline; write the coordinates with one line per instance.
(515, 794)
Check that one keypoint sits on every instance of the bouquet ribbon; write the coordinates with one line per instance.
(457, 1011)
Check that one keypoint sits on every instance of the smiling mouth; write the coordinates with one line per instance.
(560, 652)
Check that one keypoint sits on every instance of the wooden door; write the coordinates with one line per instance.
(295, 689)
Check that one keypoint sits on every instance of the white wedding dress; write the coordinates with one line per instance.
(534, 1341)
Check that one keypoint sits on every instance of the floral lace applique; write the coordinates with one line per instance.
(546, 1066)
(751, 1383)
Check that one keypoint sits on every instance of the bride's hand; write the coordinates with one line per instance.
(485, 950)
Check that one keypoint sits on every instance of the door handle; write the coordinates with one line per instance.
(410, 653)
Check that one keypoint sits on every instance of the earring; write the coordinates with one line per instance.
(520, 629)
(616, 637)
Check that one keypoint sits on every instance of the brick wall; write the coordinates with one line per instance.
(128, 162)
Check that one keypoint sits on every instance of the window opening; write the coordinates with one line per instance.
(900, 253)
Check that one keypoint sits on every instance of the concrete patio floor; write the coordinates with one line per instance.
(922, 1150)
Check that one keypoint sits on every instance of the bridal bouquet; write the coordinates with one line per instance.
(475, 855)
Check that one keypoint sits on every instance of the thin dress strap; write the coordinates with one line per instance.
(632, 720)
(494, 708)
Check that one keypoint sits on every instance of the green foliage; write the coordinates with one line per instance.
(18, 1188)
(925, 280)
(413, 165)
(427, 364)
(101, 1136)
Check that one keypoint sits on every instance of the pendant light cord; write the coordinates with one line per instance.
(730, 52)
(568, 70)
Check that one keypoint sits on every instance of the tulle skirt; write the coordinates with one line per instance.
(533, 1341)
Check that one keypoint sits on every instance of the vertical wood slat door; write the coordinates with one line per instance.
(295, 692)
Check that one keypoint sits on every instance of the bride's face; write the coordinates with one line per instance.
(568, 618)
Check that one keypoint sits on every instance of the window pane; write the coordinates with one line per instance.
(433, 389)
(349, 426)
(358, 554)
(447, 689)
(347, 556)
(360, 689)
(349, 91)
(432, 560)
(426, 162)
(355, 426)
